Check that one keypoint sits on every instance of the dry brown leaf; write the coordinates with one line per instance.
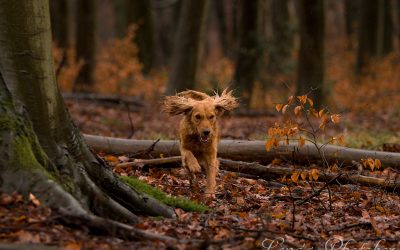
(297, 110)
(284, 109)
(278, 107)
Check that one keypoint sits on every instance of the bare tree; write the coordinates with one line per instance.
(310, 72)
(375, 33)
(139, 12)
(187, 47)
(86, 43)
(250, 49)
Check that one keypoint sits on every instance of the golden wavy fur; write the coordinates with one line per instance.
(198, 130)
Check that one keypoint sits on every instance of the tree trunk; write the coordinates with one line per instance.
(350, 12)
(250, 51)
(385, 29)
(60, 22)
(187, 48)
(42, 151)
(375, 32)
(165, 21)
(282, 37)
(310, 75)
(120, 17)
(139, 13)
(86, 43)
(246, 151)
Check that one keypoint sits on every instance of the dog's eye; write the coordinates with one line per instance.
(211, 117)
(198, 117)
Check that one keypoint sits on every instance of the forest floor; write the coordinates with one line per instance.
(246, 214)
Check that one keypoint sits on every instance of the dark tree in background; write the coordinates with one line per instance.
(86, 43)
(375, 31)
(310, 74)
(282, 37)
(120, 17)
(165, 19)
(60, 22)
(250, 50)
(139, 12)
(187, 46)
(351, 14)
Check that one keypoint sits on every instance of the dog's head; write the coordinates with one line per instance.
(201, 110)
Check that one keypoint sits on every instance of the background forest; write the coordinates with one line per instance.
(309, 159)
(344, 54)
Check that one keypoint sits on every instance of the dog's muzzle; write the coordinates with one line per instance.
(205, 136)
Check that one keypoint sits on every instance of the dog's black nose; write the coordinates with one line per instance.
(206, 132)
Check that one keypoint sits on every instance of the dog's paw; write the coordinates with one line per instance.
(194, 167)
(209, 195)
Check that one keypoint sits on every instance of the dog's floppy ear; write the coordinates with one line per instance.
(225, 102)
(196, 95)
(176, 105)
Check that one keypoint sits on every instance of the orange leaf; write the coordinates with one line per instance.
(303, 175)
(290, 99)
(321, 112)
(295, 177)
(278, 107)
(297, 110)
(310, 101)
(378, 163)
(371, 163)
(285, 108)
(315, 174)
(268, 144)
(34, 200)
(335, 118)
(302, 99)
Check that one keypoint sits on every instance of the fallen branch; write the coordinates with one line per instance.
(256, 170)
(272, 171)
(103, 98)
(316, 193)
(248, 151)
(153, 162)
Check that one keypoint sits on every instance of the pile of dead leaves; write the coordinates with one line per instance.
(250, 213)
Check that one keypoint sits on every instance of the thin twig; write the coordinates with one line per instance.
(316, 193)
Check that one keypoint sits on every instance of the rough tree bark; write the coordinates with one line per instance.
(86, 43)
(42, 152)
(187, 48)
(139, 13)
(250, 52)
(310, 74)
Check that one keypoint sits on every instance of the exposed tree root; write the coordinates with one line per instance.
(250, 151)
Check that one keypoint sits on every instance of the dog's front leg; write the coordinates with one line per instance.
(189, 161)
(211, 171)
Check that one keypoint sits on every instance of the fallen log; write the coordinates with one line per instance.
(104, 98)
(252, 151)
(272, 171)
